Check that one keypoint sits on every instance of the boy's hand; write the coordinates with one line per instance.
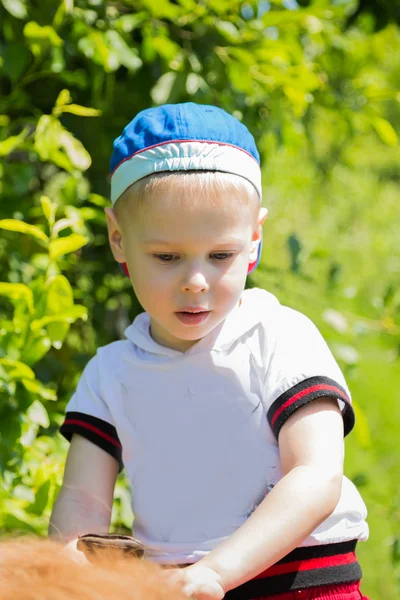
(198, 582)
(76, 555)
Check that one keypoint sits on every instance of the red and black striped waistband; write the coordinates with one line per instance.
(305, 567)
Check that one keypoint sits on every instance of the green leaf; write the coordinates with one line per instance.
(228, 30)
(47, 134)
(240, 77)
(63, 224)
(38, 414)
(162, 90)
(35, 349)
(17, 291)
(165, 47)
(60, 297)
(49, 209)
(22, 492)
(22, 227)
(161, 8)
(68, 316)
(17, 524)
(128, 23)
(385, 131)
(75, 150)
(63, 98)
(39, 38)
(361, 430)
(95, 47)
(194, 82)
(16, 8)
(129, 57)
(81, 111)
(67, 244)
(35, 387)
(98, 200)
(16, 58)
(63, 104)
(17, 369)
(41, 499)
(13, 142)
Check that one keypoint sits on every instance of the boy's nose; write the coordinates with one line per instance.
(195, 282)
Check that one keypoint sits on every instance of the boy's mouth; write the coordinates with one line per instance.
(192, 315)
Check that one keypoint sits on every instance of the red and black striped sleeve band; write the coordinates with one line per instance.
(303, 393)
(95, 430)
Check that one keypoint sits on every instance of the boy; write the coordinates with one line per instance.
(229, 408)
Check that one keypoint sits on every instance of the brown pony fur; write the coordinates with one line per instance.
(37, 569)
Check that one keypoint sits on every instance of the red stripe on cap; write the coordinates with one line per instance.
(94, 429)
(181, 142)
(308, 564)
(310, 390)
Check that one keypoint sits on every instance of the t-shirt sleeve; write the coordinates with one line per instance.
(88, 415)
(300, 368)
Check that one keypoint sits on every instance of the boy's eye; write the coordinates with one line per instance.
(221, 255)
(166, 257)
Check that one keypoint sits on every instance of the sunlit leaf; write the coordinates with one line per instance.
(63, 98)
(75, 151)
(13, 142)
(127, 56)
(162, 89)
(38, 414)
(17, 369)
(16, 8)
(35, 387)
(17, 291)
(63, 224)
(67, 244)
(335, 319)
(95, 46)
(81, 111)
(35, 349)
(49, 209)
(165, 47)
(385, 131)
(194, 82)
(129, 22)
(67, 316)
(47, 135)
(228, 30)
(60, 297)
(22, 227)
(39, 37)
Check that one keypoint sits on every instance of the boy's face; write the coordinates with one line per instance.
(187, 258)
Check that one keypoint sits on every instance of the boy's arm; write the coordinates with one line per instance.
(311, 449)
(85, 500)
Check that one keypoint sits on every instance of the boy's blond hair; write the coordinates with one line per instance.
(190, 186)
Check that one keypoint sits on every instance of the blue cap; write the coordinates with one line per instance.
(183, 137)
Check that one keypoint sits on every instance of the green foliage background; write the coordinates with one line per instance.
(317, 82)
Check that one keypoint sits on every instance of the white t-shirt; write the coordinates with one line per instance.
(198, 430)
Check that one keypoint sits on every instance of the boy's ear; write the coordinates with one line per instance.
(114, 235)
(257, 234)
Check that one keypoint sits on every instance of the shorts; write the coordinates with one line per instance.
(350, 591)
(324, 572)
